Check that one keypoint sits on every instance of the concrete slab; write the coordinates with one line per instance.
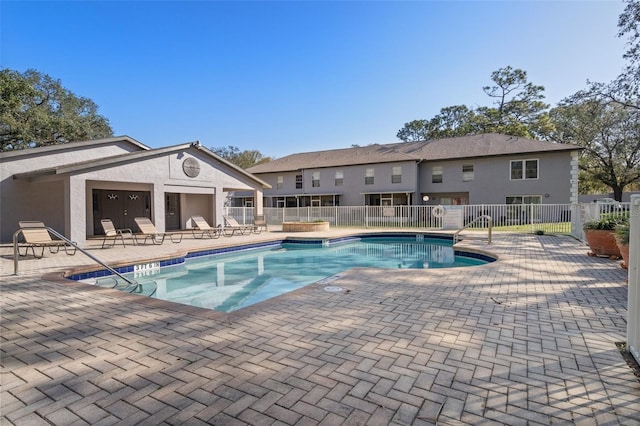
(529, 339)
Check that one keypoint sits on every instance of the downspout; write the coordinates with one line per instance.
(417, 185)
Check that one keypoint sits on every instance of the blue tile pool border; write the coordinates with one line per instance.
(320, 242)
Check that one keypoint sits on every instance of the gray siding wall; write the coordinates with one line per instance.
(492, 179)
(353, 188)
(557, 177)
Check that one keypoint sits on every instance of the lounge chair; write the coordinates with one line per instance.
(232, 226)
(36, 234)
(111, 233)
(260, 223)
(149, 231)
(202, 228)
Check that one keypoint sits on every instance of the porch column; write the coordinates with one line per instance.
(75, 210)
(218, 206)
(157, 209)
(258, 208)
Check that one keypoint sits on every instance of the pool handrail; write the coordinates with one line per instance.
(16, 255)
(489, 221)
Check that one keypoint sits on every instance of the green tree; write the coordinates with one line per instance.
(625, 89)
(608, 114)
(416, 130)
(242, 159)
(610, 136)
(518, 110)
(35, 110)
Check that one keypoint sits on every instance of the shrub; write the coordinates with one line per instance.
(607, 222)
(622, 233)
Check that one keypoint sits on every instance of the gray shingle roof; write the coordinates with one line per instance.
(486, 145)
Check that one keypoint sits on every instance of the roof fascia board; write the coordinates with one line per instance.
(128, 157)
(306, 194)
(229, 164)
(70, 145)
(84, 165)
(365, 163)
(512, 154)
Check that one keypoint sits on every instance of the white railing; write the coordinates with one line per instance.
(633, 299)
(532, 218)
(456, 235)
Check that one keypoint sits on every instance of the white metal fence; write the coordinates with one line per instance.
(546, 218)
(633, 300)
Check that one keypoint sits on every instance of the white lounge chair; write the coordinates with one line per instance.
(202, 228)
(148, 231)
(36, 234)
(260, 223)
(111, 233)
(232, 226)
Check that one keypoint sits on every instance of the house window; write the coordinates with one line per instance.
(339, 178)
(315, 179)
(524, 199)
(467, 172)
(368, 177)
(436, 174)
(524, 169)
(280, 182)
(298, 181)
(396, 174)
(519, 210)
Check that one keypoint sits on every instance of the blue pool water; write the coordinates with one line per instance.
(228, 282)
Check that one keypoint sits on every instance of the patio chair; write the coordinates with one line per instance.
(202, 228)
(149, 231)
(260, 223)
(232, 226)
(36, 235)
(111, 233)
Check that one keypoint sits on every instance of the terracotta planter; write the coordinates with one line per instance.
(624, 252)
(602, 243)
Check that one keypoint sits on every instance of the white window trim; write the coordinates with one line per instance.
(369, 174)
(472, 173)
(524, 168)
(441, 174)
(539, 197)
(396, 177)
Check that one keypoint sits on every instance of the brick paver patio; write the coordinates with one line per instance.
(527, 340)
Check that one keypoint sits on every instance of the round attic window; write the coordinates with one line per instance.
(191, 167)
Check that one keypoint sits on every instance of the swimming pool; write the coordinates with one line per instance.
(238, 278)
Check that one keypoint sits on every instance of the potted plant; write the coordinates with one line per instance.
(622, 239)
(600, 236)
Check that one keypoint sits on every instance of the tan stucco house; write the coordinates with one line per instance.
(71, 187)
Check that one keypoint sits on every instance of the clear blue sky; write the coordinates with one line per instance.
(286, 77)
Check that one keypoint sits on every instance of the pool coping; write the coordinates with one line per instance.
(62, 277)
(97, 271)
